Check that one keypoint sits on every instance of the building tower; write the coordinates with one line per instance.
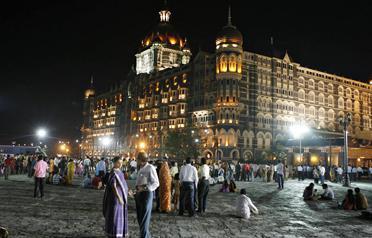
(162, 48)
(229, 53)
(88, 108)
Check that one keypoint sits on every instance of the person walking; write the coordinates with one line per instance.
(115, 202)
(188, 178)
(280, 174)
(40, 171)
(86, 164)
(203, 187)
(7, 164)
(146, 183)
(300, 171)
(70, 172)
(321, 173)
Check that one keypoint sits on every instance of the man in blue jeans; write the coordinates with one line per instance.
(189, 179)
(146, 183)
(280, 174)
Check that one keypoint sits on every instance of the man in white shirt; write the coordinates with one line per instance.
(339, 174)
(353, 173)
(321, 173)
(360, 172)
(147, 182)
(86, 164)
(133, 166)
(203, 187)
(189, 180)
(300, 172)
(328, 193)
(101, 168)
(280, 174)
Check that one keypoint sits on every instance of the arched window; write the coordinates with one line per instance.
(340, 91)
(349, 104)
(260, 138)
(356, 106)
(331, 115)
(301, 109)
(330, 88)
(340, 103)
(348, 92)
(321, 113)
(223, 63)
(311, 96)
(311, 83)
(321, 98)
(356, 94)
(312, 111)
(267, 140)
(232, 63)
(301, 94)
(330, 101)
(321, 86)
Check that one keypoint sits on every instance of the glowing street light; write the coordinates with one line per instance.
(298, 131)
(41, 133)
(142, 145)
(106, 141)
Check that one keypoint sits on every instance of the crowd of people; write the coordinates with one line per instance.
(176, 188)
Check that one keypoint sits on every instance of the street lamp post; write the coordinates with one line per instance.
(298, 131)
(345, 122)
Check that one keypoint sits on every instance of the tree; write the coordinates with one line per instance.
(182, 143)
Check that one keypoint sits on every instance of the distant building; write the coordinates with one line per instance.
(242, 103)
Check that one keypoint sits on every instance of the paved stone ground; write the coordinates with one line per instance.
(77, 212)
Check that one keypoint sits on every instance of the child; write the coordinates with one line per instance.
(176, 187)
(244, 205)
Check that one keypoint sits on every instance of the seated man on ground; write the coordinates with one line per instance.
(225, 187)
(232, 186)
(361, 201)
(349, 201)
(87, 182)
(309, 193)
(244, 205)
(328, 193)
(57, 179)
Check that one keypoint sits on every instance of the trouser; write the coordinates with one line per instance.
(157, 198)
(322, 179)
(144, 207)
(237, 176)
(187, 197)
(339, 178)
(300, 175)
(86, 170)
(203, 189)
(39, 183)
(353, 176)
(244, 176)
(6, 172)
(280, 179)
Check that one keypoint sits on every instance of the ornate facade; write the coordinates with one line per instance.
(241, 102)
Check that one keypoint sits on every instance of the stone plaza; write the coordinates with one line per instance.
(77, 212)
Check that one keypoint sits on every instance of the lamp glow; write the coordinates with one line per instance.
(41, 133)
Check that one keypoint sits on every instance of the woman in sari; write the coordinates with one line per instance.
(115, 208)
(70, 172)
(165, 180)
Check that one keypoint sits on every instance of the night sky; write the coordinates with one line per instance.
(50, 49)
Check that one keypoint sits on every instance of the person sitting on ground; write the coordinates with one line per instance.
(349, 201)
(87, 182)
(225, 187)
(328, 193)
(97, 182)
(232, 186)
(361, 202)
(57, 179)
(309, 192)
(244, 205)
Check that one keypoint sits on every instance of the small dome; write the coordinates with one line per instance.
(164, 33)
(229, 34)
(89, 93)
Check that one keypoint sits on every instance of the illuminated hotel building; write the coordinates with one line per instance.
(241, 102)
